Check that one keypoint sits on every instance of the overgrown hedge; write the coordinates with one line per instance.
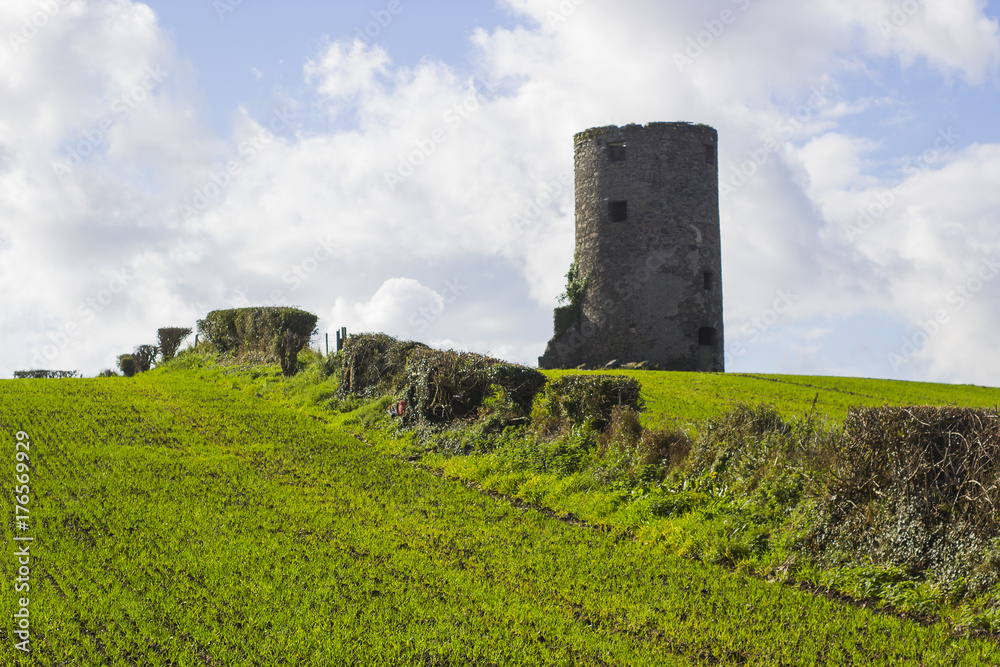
(578, 399)
(374, 364)
(437, 385)
(43, 375)
(445, 385)
(918, 487)
(264, 333)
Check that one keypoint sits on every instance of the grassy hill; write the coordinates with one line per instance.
(202, 514)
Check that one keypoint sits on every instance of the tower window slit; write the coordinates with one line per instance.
(616, 151)
(618, 211)
(706, 336)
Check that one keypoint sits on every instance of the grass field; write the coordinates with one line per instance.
(685, 397)
(186, 518)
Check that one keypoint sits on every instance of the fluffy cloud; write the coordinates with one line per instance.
(347, 70)
(398, 306)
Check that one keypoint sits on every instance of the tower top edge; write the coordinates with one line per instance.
(614, 131)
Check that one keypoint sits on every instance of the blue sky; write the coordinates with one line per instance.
(159, 160)
(245, 52)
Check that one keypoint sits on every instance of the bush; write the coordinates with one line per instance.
(374, 364)
(144, 356)
(44, 374)
(127, 364)
(631, 451)
(564, 455)
(623, 433)
(663, 447)
(918, 487)
(261, 334)
(445, 385)
(287, 346)
(577, 399)
(107, 373)
(170, 338)
(740, 442)
(438, 385)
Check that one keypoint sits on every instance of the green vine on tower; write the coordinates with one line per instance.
(576, 286)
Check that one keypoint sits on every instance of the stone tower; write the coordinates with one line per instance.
(648, 252)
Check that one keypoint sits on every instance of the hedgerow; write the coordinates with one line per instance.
(263, 334)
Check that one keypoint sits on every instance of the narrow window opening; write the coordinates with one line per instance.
(709, 283)
(618, 211)
(616, 151)
(706, 336)
(710, 153)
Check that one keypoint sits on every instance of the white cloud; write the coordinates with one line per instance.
(398, 306)
(834, 162)
(347, 69)
(952, 34)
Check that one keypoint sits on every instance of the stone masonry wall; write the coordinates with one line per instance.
(647, 237)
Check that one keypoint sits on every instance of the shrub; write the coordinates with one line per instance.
(445, 385)
(144, 356)
(44, 374)
(629, 449)
(373, 364)
(170, 338)
(107, 373)
(287, 346)
(577, 399)
(664, 447)
(741, 440)
(918, 487)
(127, 364)
(623, 433)
(261, 333)
(564, 455)
(438, 385)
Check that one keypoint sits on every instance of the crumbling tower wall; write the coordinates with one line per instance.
(648, 250)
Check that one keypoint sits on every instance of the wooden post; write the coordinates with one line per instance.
(327, 334)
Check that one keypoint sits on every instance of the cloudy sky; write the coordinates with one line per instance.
(400, 166)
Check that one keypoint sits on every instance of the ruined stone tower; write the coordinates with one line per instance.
(648, 255)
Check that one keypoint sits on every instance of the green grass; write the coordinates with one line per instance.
(687, 397)
(198, 516)
(753, 503)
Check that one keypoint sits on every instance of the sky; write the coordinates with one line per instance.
(405, 167)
